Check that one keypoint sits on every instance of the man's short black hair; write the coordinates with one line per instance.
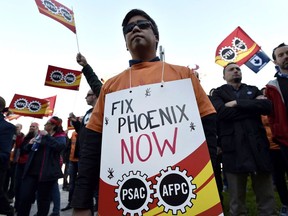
(227, 66)
(138, 12)
(273, 53)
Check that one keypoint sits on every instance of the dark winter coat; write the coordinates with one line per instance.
(45, 162)
(241, 133)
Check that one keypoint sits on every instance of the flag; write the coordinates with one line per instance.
(28, 106)
(58, 12)
(11, 117)
(70, 125)
(258, 61)
(50, 109)
(63, 78)
(237, 47)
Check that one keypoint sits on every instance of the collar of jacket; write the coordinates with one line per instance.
(134, 61)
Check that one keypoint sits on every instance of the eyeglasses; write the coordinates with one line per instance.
(142, 24)
(89, 95)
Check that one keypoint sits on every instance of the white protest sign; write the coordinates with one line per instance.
(149, 135)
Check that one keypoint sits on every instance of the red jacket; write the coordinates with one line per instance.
(278, 118)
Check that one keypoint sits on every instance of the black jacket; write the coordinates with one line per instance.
(7, 131)
(45, 162)
(241, 133)
(95, 84)
(92, 79)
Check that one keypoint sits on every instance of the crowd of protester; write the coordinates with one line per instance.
(246, 131)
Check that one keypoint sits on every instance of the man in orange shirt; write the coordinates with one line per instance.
(141, 37)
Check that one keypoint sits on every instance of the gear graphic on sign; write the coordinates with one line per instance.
(56, 76)
(20, 103)
(70, 78)
(133, 193)
(174, 190)
(239, 44)
(34, 106)
(228, 53)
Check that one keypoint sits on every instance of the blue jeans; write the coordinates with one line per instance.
(56, 198)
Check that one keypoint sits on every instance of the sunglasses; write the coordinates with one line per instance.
(142, 24)
(89, 95)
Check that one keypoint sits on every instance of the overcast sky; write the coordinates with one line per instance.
(190, 31)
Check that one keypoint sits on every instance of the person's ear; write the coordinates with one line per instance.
(157, 39)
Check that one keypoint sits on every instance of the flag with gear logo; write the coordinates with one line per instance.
(237, 47)
(29, 106)
(58, 12)
(63, 78)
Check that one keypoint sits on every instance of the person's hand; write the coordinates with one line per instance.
(81, 60)
(231, 103)
(81, 212)
(31, 141)
(43, 132)
(72, 117)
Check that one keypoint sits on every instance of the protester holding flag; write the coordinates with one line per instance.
(79, 124)
(7, 131)
(245, 147)
(92, 79)
(43, 168)
(142, 36)
(277, 92)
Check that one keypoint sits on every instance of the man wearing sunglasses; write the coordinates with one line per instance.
(141, 36)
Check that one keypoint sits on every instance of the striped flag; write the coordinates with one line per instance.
(237, 47)
(58, 12)
(28, 106)
(63, 78)
(52, 102)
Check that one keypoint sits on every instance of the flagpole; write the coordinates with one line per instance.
(76, 31)
(77, 43)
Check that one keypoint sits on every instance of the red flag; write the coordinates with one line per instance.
(50, 109)
(28, 106)
(63, 78)
(58, 12)
(70, 125)
(237, 47)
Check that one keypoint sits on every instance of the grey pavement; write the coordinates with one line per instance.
(64, 202)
